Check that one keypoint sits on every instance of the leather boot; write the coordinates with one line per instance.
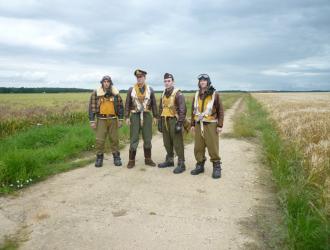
(198, 169)
(216, 170)
(180, 168)
(147, 157)
(117, 159)
(99, 160)
(131, 162)
(169, 162)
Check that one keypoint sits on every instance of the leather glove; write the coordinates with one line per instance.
(178, 127)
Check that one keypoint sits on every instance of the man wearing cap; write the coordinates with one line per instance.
(172, 110)
(106, 113)
(140, 102)
(206, 122)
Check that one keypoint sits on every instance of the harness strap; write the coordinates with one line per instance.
(201, 115)
(141, 107)
(173, 94)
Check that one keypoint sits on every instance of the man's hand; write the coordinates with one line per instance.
(219, 130)
(192, 129)
(160, 126)
(178, 127)
(155, 121)
(128, 122)
(120, 124)
(93, 125)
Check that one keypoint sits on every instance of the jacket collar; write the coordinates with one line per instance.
(100, 91)
(169, 91)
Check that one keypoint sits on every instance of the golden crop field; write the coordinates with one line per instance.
(304, 119)
(20, 111)
(27, 105)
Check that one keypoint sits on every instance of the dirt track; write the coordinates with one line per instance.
(144, 208)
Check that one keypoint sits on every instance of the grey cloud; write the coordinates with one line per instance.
(242, 45)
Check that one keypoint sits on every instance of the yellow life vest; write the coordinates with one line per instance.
(141, 100)
(139, 94)
(204, 112)
(107, 106)
(168, 104)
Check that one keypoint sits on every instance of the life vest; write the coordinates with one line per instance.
(140, 100)
(168, 104)
(107, 104)
(205, 115)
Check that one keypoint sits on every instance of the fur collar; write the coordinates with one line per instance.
(100, 91)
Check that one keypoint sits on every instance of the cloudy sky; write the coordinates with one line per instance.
(248, 45)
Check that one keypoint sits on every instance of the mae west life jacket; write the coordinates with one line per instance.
(205, 115)
(140, 100)
(168, 104)
(203, 110)
(107, 104)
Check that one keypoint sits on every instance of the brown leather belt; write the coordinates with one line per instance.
(106, 116)
(168, 117)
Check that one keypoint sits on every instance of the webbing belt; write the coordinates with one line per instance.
(201, 122)
(141, 115)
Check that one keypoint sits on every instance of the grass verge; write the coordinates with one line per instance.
(39, 152)
(9, 244)
(304, 212)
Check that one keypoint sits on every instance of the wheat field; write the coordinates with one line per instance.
(304, 119)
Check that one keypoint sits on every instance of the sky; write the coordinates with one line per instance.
(242, 45)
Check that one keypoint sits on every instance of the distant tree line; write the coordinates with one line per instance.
(6, 90)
